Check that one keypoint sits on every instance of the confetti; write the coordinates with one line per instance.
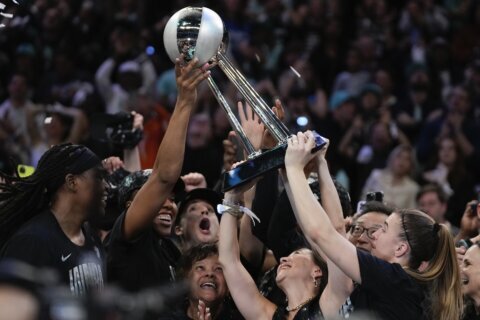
(295, 72)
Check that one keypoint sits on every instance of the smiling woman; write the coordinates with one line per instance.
(411, 272)
(208, 292)
(470, 275)
(43, 217)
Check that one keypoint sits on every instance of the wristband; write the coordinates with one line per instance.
(237, 211)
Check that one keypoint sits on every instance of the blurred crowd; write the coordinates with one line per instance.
(371, 75)
(393, 85)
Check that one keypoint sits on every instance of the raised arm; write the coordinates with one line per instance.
(339, 286)
(169, 161)
(310, 215)
(131, 157)
(244, 292)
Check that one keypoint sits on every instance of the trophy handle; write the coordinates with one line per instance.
(237, 127)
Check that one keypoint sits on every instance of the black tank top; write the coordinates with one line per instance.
(310, 311)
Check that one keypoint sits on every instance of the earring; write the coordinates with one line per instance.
(315, 283)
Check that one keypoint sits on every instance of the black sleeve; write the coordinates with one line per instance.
(29, 249)
(266, 194)
(283, 234)
(116, 234)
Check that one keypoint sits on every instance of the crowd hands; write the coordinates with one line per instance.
(311, 256)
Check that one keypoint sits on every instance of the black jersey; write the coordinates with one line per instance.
(42, 243)
(148, 260)
(387, 291)
(310, 311)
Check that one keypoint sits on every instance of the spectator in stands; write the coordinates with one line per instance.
(14, 119)
(432, 200)
(451, 173)
(395, 180)
(371, 218)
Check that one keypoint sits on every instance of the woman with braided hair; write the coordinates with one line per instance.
(42, 217)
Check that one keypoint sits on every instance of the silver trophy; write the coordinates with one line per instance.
(198, 32)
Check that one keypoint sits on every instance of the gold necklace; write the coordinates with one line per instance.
(300, 305)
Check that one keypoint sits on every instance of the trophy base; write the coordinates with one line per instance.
(259, 165)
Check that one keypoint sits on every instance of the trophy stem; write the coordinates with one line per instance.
(231, 118)
(274, 125)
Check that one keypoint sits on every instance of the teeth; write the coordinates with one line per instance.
(165, 217)
(209, 285)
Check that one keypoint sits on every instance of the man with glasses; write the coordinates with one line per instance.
(366, 222)
(371, 218)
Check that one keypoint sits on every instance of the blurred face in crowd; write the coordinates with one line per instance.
(199, 131)
(346, 111)
(380, 136)
(299, 265)
(199, 223)
(370, 101)
(430, 203)
(18, 88)
(383, 80)
(402, 163)
(55, 128)
(419, 84)
(470, 272)
(447, 153)
(459, 101)
(387, 243)
(353, 60)
(361, 234)
(206, 280)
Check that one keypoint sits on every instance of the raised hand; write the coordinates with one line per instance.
(203, 311)
(112, 164)
(229, 152)
(299, 151)
(251, 124)
(269, 141)
(323, 151)
(194, 180)
(188, 77)
(137, 121)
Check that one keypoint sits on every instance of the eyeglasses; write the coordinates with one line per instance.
(358, 230)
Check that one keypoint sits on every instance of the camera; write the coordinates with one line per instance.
(374, 196)
(371, 196)
(116, 129)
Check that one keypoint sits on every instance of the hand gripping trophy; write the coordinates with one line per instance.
(200, 33)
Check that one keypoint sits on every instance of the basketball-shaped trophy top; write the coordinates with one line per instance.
(196, 32)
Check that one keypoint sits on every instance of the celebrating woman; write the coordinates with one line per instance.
(411, 272)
